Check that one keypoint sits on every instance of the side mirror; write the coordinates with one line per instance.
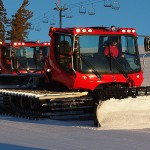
(147, 44)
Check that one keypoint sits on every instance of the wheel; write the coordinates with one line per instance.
(33, 104)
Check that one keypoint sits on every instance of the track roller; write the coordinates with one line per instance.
(33, 103)
(23, 103)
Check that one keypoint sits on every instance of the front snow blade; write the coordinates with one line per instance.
(128, 113)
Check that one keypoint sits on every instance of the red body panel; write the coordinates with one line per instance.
(90, 81)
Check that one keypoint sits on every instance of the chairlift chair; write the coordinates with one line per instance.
(82, 9)
(37, 28)
(52, 22)
(91, 11)
(45, 19)
(69, 14)
(31, 27)
(107, 3)
(115, 5)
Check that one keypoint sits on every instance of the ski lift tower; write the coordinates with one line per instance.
(60, 9)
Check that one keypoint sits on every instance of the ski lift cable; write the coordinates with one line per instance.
(84, 3)
(38, 19)
(41, 16)
(71, 6)
(74, 5)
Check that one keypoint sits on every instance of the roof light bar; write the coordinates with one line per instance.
(83, 30)
(18, 43)
(46, 43)
(133, 31)
(128, 30)
(90, 30)
(78, 30)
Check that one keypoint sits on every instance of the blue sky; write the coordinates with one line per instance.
(131, 14)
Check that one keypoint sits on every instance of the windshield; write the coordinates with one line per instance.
(108, 54)
(26, 58)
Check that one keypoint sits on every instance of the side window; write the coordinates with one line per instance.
(128, 45)
(41, 53)
(7, 58)
(63, 52)
(105, 43)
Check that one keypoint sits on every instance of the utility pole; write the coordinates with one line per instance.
(60, 9)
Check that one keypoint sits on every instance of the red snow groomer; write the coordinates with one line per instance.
(101, 60)
(22, 63)
(82, 59)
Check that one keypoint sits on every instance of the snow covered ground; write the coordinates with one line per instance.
(23, 134)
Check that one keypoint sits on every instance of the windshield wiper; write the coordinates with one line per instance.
(121, 70)
(117, 64)
(119, 67)
(22, 64)
(87, 63)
